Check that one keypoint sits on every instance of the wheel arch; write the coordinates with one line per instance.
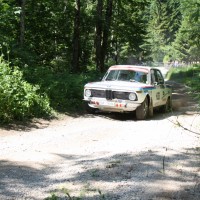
(149, 99)
(150, 106)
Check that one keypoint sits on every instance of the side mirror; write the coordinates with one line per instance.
(155, 83)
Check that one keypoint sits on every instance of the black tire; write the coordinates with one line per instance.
(142, 111)
(167, 107)
(150, 112)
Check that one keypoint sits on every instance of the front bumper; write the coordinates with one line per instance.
(113, 105)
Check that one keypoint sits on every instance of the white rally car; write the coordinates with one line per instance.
(126, 88)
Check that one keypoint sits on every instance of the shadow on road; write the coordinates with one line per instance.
(152, 174)
(144, 175)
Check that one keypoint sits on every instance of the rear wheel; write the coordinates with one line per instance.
(142, 111)
(168, 106)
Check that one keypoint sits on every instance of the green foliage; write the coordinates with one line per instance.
(65, 90)
(65, 193)
(8, 21)
(183, 73)
(188, 75)
(19, 100)
(140, 30)
(187, 42)
(128, 32)
(194, 82)
(163, 23)
(52, 197)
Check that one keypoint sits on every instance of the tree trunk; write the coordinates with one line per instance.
(116, 52)
(106, 31)
(76, 39)
(22, 22)
(98, 40)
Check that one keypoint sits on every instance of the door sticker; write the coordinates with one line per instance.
(158, 95)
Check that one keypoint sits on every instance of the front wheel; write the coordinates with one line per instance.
(150, 111)
(142, 110)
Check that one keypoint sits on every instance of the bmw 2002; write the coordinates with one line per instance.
(127, 88)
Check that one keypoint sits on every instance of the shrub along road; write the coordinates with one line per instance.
(105, 156)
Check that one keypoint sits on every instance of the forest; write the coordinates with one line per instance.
(51, 48)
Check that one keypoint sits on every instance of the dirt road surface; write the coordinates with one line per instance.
(105, 156)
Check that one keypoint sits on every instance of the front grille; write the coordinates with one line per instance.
(121, 95)
(98, 93)
(109, 94)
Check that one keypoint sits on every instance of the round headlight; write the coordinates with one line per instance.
(132, 96)
(88, 93)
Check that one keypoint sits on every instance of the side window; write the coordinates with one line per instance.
(159, 77)
(156, 77)
(153, 78)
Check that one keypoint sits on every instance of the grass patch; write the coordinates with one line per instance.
(188, 75)
(85, 192)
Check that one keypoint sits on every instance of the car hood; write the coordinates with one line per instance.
(117, 85)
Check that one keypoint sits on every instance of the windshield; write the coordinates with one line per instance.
(126, 75)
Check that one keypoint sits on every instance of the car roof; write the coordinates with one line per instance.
(144, 69)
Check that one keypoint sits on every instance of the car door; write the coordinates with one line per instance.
(158, 93)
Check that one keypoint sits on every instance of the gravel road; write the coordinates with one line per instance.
(105, 156)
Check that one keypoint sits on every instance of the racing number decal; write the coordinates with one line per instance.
(158, 96)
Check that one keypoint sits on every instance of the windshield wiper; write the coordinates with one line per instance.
(110, 79)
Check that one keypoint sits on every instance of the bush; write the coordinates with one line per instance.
(183, 73)
(65, 90)
(188, 75)
(19, 100)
